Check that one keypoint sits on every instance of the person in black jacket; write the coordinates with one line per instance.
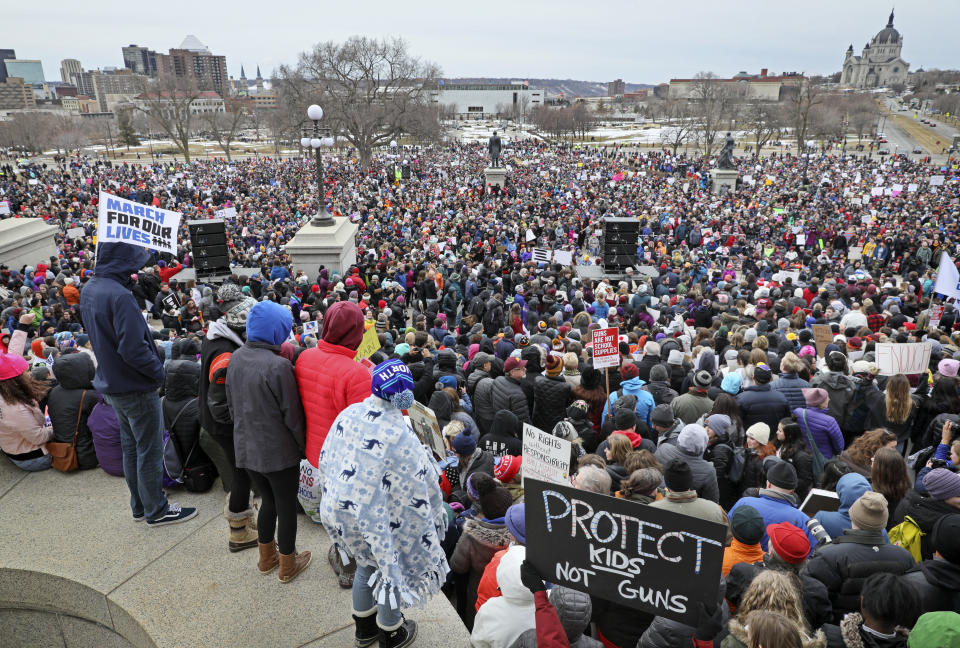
(504, 437)
(534, 357)
(944, 489)
(792, 448)
(551, 395)
(70, 404)
(180, 405)
(888, 604)
(507, 391)
(938, 580)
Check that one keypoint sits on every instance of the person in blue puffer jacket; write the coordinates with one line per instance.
(850, 487)
(630, 384)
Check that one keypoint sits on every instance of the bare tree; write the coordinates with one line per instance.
(764, 121)
(368, 89)
(800, 106)
(223, 126)
(681, 125)
(711, 103)
(168, 102)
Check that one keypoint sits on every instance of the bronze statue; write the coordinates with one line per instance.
(725, 157)
(494, 147)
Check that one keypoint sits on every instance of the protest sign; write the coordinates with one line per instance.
(822, 336)
(76, 232)
(311, 328)
(936, 314)
(563, 257)
(229, 212)
(424, 424)
(541, 255)
(369, 345)
(545, 456)
(4, 207)
(125, 221)
(606, 352)
(171, 301)
(855, 253)
(637, 556)
(903, 358)
(936, 181)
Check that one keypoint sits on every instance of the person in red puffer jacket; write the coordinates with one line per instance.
(327, 376)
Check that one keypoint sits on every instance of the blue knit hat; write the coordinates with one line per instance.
(390, 379)
(269, 322)
(448, 381)
(464, 443)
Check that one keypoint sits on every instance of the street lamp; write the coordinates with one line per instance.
(319, 137)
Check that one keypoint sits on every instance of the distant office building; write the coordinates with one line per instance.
(141, 60)
(16, 95)
(486, 100)
(5, 54)
(68, 68)
(206, 102)
(616, 88)
(762, 87)
(193, 60)
(110, 88)
(31, 71)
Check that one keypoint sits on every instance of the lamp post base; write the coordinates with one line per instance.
(333, 247)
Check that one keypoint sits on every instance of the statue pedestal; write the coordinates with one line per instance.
(334, 247)
(26, 241)
(495, 177)
(724, 180)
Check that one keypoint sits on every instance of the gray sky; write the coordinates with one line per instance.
(640, 42)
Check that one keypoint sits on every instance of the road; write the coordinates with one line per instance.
(904, 133)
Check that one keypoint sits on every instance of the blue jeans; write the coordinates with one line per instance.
(141, 439)
(33, 465)
(387, 617)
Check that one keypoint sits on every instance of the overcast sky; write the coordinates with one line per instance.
(640, 42)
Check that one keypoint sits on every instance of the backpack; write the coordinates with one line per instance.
(908, 535)
(197, 477)
(738, 459)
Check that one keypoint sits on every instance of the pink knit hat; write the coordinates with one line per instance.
(11, 365)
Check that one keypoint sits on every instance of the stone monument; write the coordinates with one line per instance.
(26, 241)
(495, 175)
(332, 246)
(725, 174)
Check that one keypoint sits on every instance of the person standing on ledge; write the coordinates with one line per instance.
(129, 373)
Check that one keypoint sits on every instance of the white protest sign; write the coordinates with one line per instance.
(563, 257)
(229, 212)
(936, 181)
(531, 236)
(76, 232)
(545, 457)
(311, 328)
(124, 221)
(912, 187)
(903, 358)
(606, 350)
(4, 207)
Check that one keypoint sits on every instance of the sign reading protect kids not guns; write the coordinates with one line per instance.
(658, 561)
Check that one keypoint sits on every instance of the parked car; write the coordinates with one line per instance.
(883, 152)
(917, 149)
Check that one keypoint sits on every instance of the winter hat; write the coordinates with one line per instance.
(625, 419)
(448, 381)
(83, 339)
(746, 523)
(464, 443)
(807, 351)
(516, 522)
(662, 415)
(762, 373)
(229, 292)
(731, 383)
(628, 370)
(693, 439)
(750, 335)
(719, 423)
(269, 322)
(651, 349)
(789, 542)
(948, 368)
(507, 467)
(402, 349)
(815, 396)
(578, 409)
(760, 432)
(675, 357)
(702, 379)
(945, 537)
(494, 499)
(782, 475)
(855, 342)
(236, 315)
(941, 629)
(481, 358)
(677, 476)
(11, 365)
(393, 382)
(869, 512)
(942, 484)
(554, 365)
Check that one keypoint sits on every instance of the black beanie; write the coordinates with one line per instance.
(624, 419)
(678, 476)
(782, 475)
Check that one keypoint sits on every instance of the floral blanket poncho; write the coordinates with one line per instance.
(381, 502)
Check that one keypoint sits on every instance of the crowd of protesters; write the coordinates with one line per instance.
(724, 406)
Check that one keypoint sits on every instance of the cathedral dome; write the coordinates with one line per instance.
(888, 34)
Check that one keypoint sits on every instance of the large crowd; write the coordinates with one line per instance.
(724, 405)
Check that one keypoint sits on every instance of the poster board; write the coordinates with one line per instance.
(913, 358)
(545, 457)
(229, 212)
(76, 233)
(606, 349)
(936, 314)
(822, 336)
(424, 424)
(563, 257)
(541, 255)
(311, 328)
(369, 345)
(820, 500)
(638, 556)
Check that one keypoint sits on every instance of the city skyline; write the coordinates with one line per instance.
(636, 42)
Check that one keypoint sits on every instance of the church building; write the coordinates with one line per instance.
(880, 64)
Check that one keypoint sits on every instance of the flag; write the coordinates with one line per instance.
(948, 278)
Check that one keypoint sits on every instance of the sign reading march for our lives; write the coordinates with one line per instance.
(124, 221)
(545, 456)
(641, 557)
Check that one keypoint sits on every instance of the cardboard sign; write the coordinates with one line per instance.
(76, 233)
(563, 257)
(606, 350)
(424, 424)
(903, 358)
(822, 335)
(369, 345)
(541, 255)
(311, 328)
(638, 556)
(545, 457)
(936, 314)
(229, 212)
(126, 221)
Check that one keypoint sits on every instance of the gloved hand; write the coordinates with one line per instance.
(709, 624)
(530, 577)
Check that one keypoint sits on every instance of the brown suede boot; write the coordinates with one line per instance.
(292, 564)
(269, 558)
(243, 530)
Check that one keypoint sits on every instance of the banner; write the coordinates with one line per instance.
(903, 358)
(638, 556)
(606, 350)
(369, 345)
(545, 456)
(124, 221)
(948, 278)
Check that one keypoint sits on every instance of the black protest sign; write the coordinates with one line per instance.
(171, 301)
(635, 555)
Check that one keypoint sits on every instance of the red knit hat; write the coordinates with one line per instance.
(789, 542)
(507, 467)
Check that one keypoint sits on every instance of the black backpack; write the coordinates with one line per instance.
(189, 466)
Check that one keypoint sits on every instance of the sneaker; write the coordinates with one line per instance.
(138, 518)
(173, 515)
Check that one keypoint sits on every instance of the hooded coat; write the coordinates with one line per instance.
(925, 511)
(182, 386)
(938, 583)
(127, 358)
(632, 387)
(849, 489)
(551, 395)
(478, 543)
(574, 609)
(70, 404)
(504, 437)
(328, 378)
(501, 620)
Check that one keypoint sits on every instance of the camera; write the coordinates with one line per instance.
(817, 531)
(938, 463)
